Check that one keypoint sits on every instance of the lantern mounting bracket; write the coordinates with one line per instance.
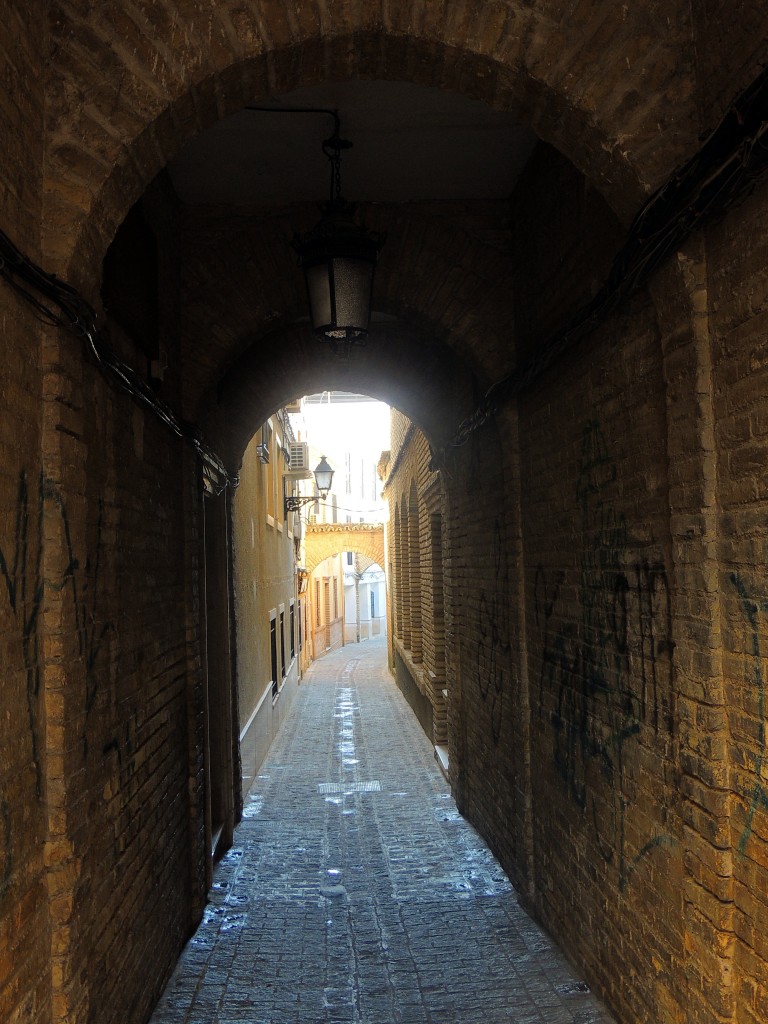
(296, 502)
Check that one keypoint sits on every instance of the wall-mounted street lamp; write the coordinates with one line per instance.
(323, 475)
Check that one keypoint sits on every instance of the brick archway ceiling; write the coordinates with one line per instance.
(129, 90)
(129, 87)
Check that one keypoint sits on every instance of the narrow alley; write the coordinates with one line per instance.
(356, 892)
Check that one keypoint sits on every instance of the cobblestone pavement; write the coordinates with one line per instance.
(356, 893)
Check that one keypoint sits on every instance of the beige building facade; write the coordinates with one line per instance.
(269, 610)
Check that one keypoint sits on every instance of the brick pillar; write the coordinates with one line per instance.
(397, 582)
(680, 292)
(414, 573)
(434, 639)
(406, 550)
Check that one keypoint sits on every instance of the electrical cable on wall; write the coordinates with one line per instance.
(343, 508)
(60, 305)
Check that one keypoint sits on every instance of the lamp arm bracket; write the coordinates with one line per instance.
(295, 502)
(303, 110)
(334, 144)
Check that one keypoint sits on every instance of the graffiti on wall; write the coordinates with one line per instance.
(22, 586)
(6, 847)
(21, 572)
(82, 580)
(606, 658)
(494, 648)
(752, 608)
(124, 746)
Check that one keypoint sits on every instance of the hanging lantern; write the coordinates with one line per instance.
(339, 257)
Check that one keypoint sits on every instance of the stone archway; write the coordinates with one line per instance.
(326, 539)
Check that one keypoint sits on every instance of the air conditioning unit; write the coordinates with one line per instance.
(298, 465)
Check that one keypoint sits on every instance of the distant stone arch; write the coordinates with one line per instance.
(326, 539)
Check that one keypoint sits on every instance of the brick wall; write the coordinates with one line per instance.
(599, 585)
(562, 632)
(560, 647)
(736, 282)
(24, 919)
(560, 535)
(730, 47)
(599, 581)
(123, 682)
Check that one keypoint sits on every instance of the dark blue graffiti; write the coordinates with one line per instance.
(6, 848)
(606, 657)
(22, 582)
(494, 648)
(21, 571)
(83, 581)
(751, 609)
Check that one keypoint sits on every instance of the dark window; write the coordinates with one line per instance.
(282, 644)
(293, 632)
(373, 605)
(273, 652)
(350, 558)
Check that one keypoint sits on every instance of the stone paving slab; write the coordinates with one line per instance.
(356, 893)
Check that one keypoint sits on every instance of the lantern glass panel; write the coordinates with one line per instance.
(323, 476)
(318, 286)
(352, 285)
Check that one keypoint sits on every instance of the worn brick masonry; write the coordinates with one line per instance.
(585, 577)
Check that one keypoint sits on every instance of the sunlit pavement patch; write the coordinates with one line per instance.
(349, 787)
(333, 891)
(253, 806)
